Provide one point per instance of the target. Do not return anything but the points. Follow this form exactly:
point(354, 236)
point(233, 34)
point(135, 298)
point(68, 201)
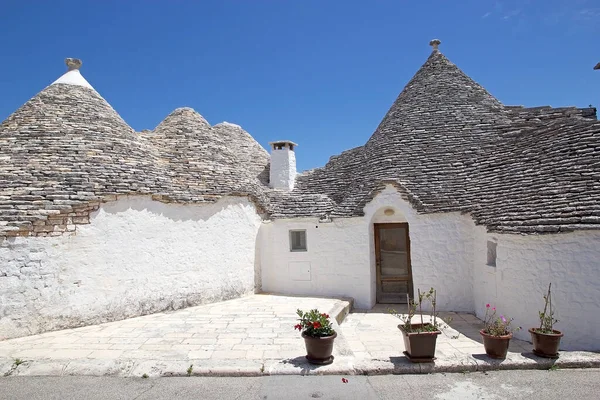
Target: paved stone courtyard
point(253, 336)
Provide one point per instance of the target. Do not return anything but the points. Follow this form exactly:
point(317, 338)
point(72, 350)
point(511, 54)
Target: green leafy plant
point(433, 325)
point(497, 325)
point(190, 369)
point(145, 376)
point(314, 323)
point(18, 362)
point(547, 319)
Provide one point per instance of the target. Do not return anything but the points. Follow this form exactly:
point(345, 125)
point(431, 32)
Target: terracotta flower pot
point(319, 349)
point(496, 346)
point(545, 344)
point(420, 346)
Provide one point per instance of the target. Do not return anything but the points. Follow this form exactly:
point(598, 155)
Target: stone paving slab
point(254, 336)
point(377, 344)
point(246, 336)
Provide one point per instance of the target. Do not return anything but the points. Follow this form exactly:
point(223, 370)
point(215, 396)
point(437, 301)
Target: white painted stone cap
point(435, 43)
point(280, 144)
point(73, 76)
point(283, 142)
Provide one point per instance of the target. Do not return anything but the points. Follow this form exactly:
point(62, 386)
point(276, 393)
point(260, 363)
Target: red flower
point(299, 327)
point(344, 380)
point(325, 315)
point(316, 325)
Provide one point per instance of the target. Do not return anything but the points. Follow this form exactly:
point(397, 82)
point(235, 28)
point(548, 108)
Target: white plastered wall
point(441, 249)
point(137, 256)
point(525, 264)
point(336, 262)
point(341, 254)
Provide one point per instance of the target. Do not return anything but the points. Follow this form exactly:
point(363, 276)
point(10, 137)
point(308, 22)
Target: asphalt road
point(547, 385)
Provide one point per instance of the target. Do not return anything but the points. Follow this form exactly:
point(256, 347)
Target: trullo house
point(455, 190)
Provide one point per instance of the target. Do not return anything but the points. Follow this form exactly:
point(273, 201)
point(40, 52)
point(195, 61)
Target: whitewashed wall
point(336, 263)
point(341, 254)
point(524, 267)
point(441, 247)
point(136, 257)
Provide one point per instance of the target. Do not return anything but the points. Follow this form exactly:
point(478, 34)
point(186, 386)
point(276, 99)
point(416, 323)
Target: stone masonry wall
point(137, 256)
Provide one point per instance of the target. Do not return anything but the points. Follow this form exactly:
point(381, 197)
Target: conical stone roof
point(67, 149)
point(428, 139)
point(447, 145)
point(425, 142)
point(209, 161)
point(249, 152)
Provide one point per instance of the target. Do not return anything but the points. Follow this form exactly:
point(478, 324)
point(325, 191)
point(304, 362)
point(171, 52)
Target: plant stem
point(545, 308)
point(550, 301)
point(433, 307)
point(420, 307)
point(408, 322)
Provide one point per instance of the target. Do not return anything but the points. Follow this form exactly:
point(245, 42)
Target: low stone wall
point(136, 256)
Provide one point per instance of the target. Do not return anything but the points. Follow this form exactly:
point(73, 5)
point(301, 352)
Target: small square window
point(491, 253)
point(298, 240)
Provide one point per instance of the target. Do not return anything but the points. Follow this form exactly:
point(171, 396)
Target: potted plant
point(546, 340)
point(496, 333)
point(318, 336)
point(420, 338)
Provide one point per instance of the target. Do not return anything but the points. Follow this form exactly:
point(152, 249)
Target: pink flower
point(487, 305)
point(503, 319)
point(494, 309)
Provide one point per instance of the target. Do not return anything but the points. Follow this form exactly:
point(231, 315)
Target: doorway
point(393, 269)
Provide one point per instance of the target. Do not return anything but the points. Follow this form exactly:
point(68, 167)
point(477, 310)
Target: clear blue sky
point(320, 73)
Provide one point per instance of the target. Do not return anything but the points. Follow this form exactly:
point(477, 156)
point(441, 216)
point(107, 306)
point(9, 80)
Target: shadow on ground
point(302, 363)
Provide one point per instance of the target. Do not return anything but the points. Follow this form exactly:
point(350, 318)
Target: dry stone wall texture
point(446, 144)
point(66, 151)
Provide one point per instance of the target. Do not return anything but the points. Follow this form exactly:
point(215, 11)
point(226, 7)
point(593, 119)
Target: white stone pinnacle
point(73, 76)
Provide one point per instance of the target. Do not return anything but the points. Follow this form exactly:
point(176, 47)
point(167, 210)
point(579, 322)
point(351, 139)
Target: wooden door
point(392, 253)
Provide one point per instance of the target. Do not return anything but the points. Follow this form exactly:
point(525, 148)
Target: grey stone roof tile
point(447, 145)
point(66, 150)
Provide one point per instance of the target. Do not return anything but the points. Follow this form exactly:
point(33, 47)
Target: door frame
point(409, 278)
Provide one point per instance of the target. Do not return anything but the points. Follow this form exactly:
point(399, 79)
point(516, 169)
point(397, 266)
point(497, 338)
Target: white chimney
point(283, 165)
